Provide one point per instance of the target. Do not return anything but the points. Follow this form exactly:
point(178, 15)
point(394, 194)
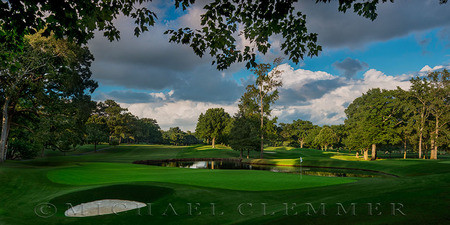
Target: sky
point(168, 82)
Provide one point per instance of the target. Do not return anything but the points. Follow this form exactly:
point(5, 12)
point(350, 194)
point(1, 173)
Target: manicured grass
point(423, 188)
point(248, 180)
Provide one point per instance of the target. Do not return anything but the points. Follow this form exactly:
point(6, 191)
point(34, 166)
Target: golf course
point(39, 191)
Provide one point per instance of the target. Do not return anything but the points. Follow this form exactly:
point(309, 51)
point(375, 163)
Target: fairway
point(42, 189)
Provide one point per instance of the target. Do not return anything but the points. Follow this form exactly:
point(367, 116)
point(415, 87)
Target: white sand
point(102, 207)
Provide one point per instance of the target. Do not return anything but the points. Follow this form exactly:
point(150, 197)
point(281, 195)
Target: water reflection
point(314, 171)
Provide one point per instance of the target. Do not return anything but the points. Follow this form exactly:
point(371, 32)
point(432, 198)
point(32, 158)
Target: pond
point(304, 170)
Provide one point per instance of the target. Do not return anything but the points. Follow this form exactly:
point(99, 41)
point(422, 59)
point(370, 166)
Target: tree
point(310, 139)
point(341, 132)
point(300, 130)
point(96, 130)
point(372, 119)
point(116, 119)
point(64, 124)
point(257, 99)
point(419, 91)
point(244, 135)
point(326, 137)
point(431, 102)
point(48, 72)
point(212, 124)
point(438, 102)
point(175, 136)
point(148, 131)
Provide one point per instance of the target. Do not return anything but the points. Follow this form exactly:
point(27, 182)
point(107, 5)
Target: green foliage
point(430, 105)
point(326, 137)
point(175, 136)
point(257, 100)
point(212, 125)
point(245, 133)
point(48, 82)
point(256, 21)
point(296, 132)
point(124, 126)
point(148, 131)
point(373, 119)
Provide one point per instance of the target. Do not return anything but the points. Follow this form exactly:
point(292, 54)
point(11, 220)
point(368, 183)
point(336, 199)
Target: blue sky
point(167, 82)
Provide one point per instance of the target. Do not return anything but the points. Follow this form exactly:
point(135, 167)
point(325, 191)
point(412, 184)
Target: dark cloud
point(309, 91)
point(337, 29)
point(126, 97)
point(207, 84)
point(350, 67)
point(151, 63)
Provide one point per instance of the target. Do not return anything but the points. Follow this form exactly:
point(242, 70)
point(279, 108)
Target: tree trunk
point(435, 149)
point(420, 144)
point(240, 155)
point(404, 148)
point(5, 131)
point(374, 152)
point(262, 126)
point(366, 154)
point(214, 142)
point(301, 143)
point(248, 153)
point(422, 124)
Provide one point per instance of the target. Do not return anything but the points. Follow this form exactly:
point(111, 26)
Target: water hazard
point(236, 165)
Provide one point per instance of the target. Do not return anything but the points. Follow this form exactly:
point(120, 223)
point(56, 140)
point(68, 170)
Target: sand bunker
point(102, 207)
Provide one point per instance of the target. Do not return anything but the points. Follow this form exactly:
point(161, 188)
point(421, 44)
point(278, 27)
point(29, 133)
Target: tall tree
point(212, 125)
point(419, 91)
point(432, 96)
point(244, 135)
point(259, 98)
point(48, 72)
point(372, 119)
point(439, 105)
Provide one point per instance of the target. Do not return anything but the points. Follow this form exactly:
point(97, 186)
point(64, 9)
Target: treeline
point(417, 120)
point(72, 125)
point(110, 123)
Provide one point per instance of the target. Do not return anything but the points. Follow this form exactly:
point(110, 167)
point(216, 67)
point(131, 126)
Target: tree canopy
point(213, 124)
point(50, 78)
point(221, 24)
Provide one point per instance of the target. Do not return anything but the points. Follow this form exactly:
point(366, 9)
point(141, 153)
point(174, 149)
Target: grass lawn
point(30, 189)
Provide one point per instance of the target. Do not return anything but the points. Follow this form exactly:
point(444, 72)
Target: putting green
point(247, 180)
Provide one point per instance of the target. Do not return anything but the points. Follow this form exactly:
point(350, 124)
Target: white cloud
point(296, 78)
point(160, 95)
point(329, 108)
point(427, 69)
point(325, 109)
point(183, 114)
point(192, 18)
